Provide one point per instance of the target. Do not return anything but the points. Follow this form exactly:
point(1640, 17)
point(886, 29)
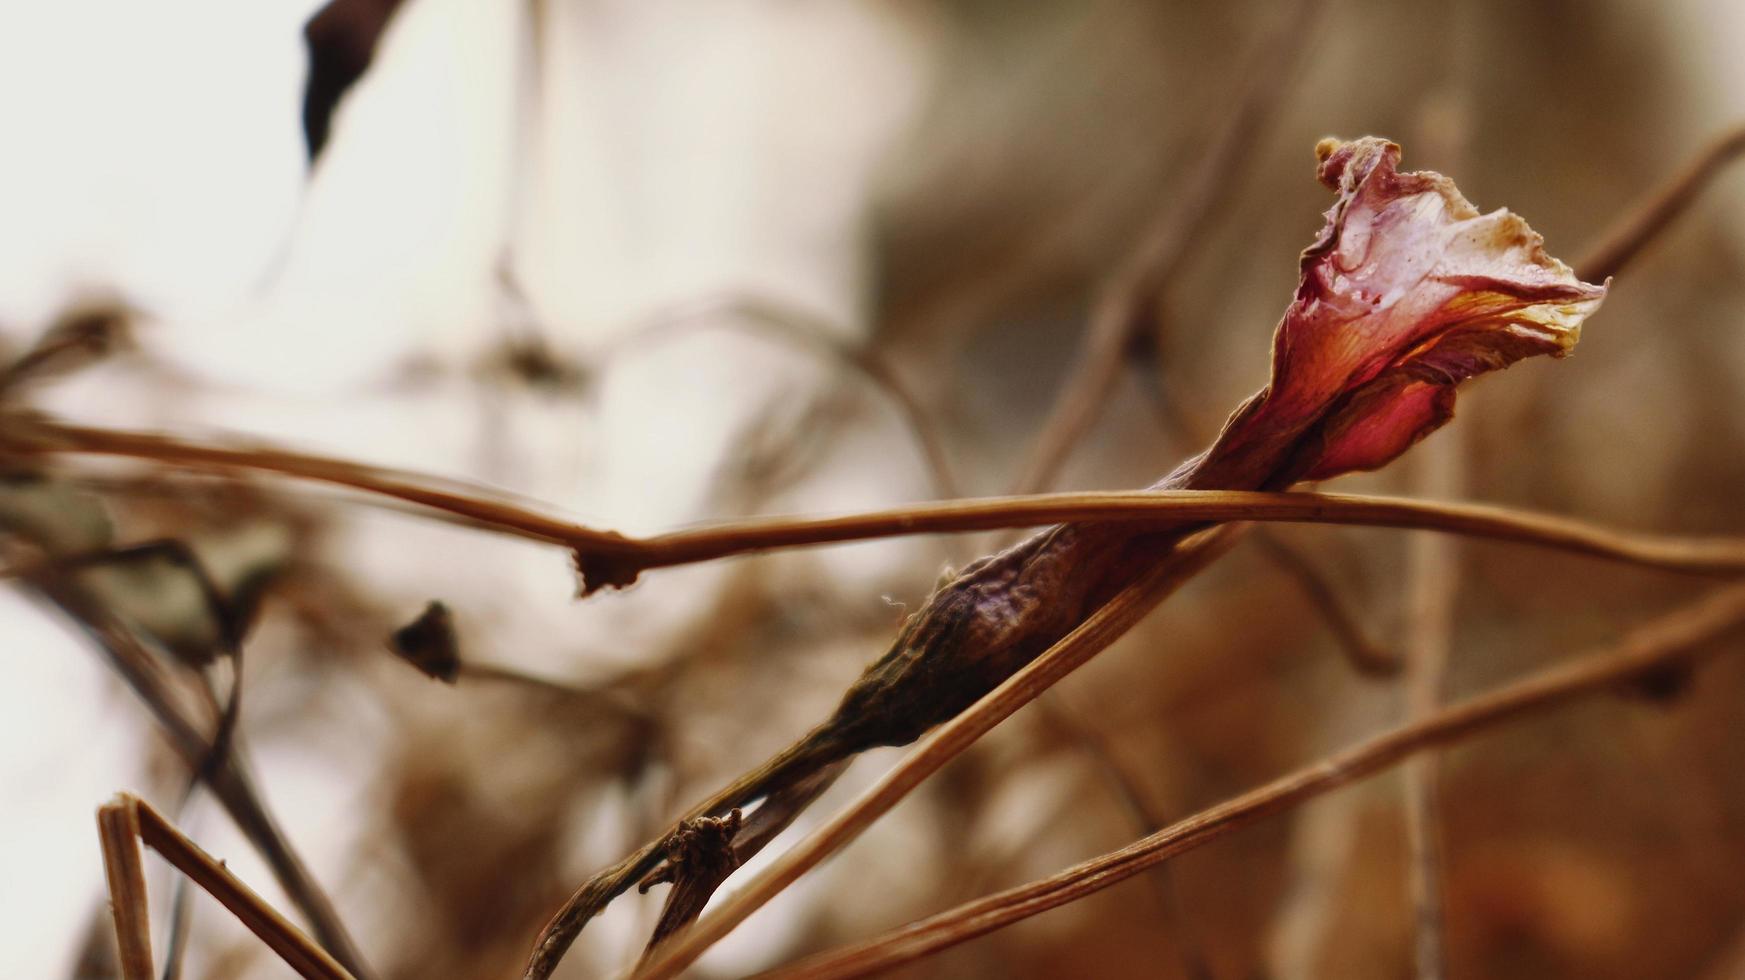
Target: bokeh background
point(607, 254)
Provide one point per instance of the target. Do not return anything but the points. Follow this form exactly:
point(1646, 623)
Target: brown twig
point(1433, 584)
point(1433, 577)
point(1652, 647)
point(130, 815)
point(1103, 627)
point(1191, 426)
point(1131, 294)
point(477, 504)
point(706, 851)
point(1363, 653)
point(118, 831)
point(1644, 222)
point(1717, 555)
point(621, 555)
point(1095, 741)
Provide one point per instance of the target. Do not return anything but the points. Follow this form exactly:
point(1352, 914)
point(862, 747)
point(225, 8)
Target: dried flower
point(1407, 292)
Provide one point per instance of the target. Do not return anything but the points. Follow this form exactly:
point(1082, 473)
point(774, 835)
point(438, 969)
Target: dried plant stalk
point(1644, 222)
point(118, 830)
point(608, 557)
point(1105, 626)
point(1665, 642)
point(1134, 292)
point(128, 819)
point(225, 773)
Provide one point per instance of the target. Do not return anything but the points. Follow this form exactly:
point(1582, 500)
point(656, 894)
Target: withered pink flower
point(1407, 292)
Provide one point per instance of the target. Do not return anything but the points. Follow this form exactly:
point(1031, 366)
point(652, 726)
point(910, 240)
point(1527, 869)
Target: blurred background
point(634, 259)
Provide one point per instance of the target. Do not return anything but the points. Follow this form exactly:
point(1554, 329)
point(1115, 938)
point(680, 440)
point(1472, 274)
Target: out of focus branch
point(1651, 648)
point(1132, 293)
point(1363, 653)
point(225, 774)
point(616, 558)
point(1644, 222)
point(1432, 589)
point(773, 318)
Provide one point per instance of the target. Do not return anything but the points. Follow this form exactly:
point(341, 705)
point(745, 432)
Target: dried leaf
point(342, 39)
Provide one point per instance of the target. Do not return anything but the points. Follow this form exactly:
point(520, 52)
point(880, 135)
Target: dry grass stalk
point(1105, 626)
point(618, 556)
point(128, 818)
point(1132, 294)
point(1667, 642)
point(118, 830)
point(1643, 222)
point(225, 773)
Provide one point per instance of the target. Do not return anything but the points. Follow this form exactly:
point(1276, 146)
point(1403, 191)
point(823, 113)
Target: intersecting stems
point(1103, 627)
point(1664, 642)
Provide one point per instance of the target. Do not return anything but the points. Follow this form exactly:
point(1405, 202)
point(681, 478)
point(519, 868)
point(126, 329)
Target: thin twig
point(1709, 555)
point(1433, 584)
point(1096, 633)
point(481, 505)
point(1363, 653)
point(1643, 223)
point(709, 849)
point(1094, 740)
point(118, 830)
point(229, 778)
point(1433, 573)
point(128, 813)
point(623, 555)
point(1123, 305)
point(1652, 647)
point(1192, 427)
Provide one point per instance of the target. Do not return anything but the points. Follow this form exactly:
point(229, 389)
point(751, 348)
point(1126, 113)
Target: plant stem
point(1096, 633)
point(1651, 216)
point(1658, 644)
point(1714, 555)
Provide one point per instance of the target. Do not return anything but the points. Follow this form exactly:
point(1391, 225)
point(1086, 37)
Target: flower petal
point(1407, 292)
